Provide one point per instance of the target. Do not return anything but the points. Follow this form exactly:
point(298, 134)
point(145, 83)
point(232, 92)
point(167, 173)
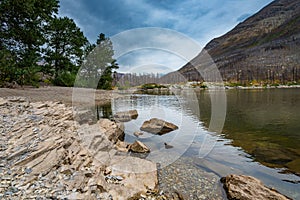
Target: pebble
point(184, 177)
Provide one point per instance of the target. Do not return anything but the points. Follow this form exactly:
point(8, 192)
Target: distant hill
point(265, 47)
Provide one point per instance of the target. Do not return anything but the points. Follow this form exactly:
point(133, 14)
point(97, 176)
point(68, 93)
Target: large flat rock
point(241, 187)
point(158, 126)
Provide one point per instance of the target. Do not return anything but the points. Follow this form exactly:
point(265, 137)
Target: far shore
point(100, 97)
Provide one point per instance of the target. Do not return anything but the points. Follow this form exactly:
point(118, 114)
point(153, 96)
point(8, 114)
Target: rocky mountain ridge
point(265, 47)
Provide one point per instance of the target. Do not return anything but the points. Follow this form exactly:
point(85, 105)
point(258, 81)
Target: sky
point(145, 33)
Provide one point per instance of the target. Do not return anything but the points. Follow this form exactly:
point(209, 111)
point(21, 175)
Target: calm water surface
point(261, 134)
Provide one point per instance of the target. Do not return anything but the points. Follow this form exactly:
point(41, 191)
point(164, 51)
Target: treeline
point(37, 46)
point(124, 81)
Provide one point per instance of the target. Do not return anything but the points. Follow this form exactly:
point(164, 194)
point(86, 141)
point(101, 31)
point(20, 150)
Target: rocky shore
point(49, 150)
point(45, 154)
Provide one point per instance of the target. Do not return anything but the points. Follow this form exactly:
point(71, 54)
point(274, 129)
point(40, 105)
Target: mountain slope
point(265, 47)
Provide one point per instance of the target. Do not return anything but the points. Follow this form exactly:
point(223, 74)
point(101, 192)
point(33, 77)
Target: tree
point(106, 78)
point(65, 47)
point(99, 64)
point(22, 26)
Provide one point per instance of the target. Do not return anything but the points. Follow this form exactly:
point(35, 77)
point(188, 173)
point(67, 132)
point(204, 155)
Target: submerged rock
point(137, 133)
point(247, 188)
point(126, 116)
point(139, 147)
point(158, 126)
point(167, 146)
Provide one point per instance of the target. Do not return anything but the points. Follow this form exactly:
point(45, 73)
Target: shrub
point(65, 79)
point(152, 86)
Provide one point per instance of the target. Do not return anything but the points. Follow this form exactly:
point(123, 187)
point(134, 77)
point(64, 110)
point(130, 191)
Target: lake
point(260, 136)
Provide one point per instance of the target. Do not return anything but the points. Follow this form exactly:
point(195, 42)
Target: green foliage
point(106, 78)
point(97, 68)
point(124, 86)
point(7, 66)
point(31, 33)
point(274, 84)
point(199, 85)
point(233, 84)
point(292, 83)
point(65, 78)
point(65, 42)
point(152, 86)
point(22, 34)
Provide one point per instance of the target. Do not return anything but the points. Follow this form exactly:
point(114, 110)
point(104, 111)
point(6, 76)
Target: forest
point(39, 47)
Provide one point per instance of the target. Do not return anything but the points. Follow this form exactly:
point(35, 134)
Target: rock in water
point(137, 133)
point(167, 146)
point(158, 126)
point(139, 147)
point(126, 116)
point(247, 188)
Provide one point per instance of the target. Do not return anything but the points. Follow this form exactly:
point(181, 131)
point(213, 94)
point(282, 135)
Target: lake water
point(260, 137)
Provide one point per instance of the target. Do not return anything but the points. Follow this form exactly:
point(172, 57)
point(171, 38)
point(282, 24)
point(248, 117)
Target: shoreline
point(218, 86)
point(48, 151)
point(58, 116)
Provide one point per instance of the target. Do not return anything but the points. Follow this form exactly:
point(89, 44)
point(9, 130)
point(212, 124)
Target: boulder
point(122, 146)
point(158, 126)
point(139, 147)
point(126, 116)
point(114, 131)
point(248, 188)
point(139, 175)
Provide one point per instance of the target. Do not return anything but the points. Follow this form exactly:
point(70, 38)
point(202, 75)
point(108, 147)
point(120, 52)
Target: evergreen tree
point(99, 64)
point(22, 27)
point(65, 48)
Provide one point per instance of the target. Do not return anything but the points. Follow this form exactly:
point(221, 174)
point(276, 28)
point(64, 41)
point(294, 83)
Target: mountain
point(265, 47)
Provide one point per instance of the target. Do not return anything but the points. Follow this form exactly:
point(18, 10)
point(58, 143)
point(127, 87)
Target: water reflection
point(265, 123)
point(104, 111)
point(261, 125)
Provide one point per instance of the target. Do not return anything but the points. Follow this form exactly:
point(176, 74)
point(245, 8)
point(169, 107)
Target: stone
point(247, 188)
point(16, 99)
point(3, 102)
point(107, 171)
point(158, 126)
point(49, 154)
point(114, 131)
point(122, 146)
point(78, 181)
point(139, 175)
point(85, 116)
point(168, 146)
point(66, 170)
point(139, 147)
point(126, 116)
point(137, 133)
point(88, 174)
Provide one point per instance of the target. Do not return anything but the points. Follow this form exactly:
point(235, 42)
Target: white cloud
point(150, 60)
point(198, 20)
